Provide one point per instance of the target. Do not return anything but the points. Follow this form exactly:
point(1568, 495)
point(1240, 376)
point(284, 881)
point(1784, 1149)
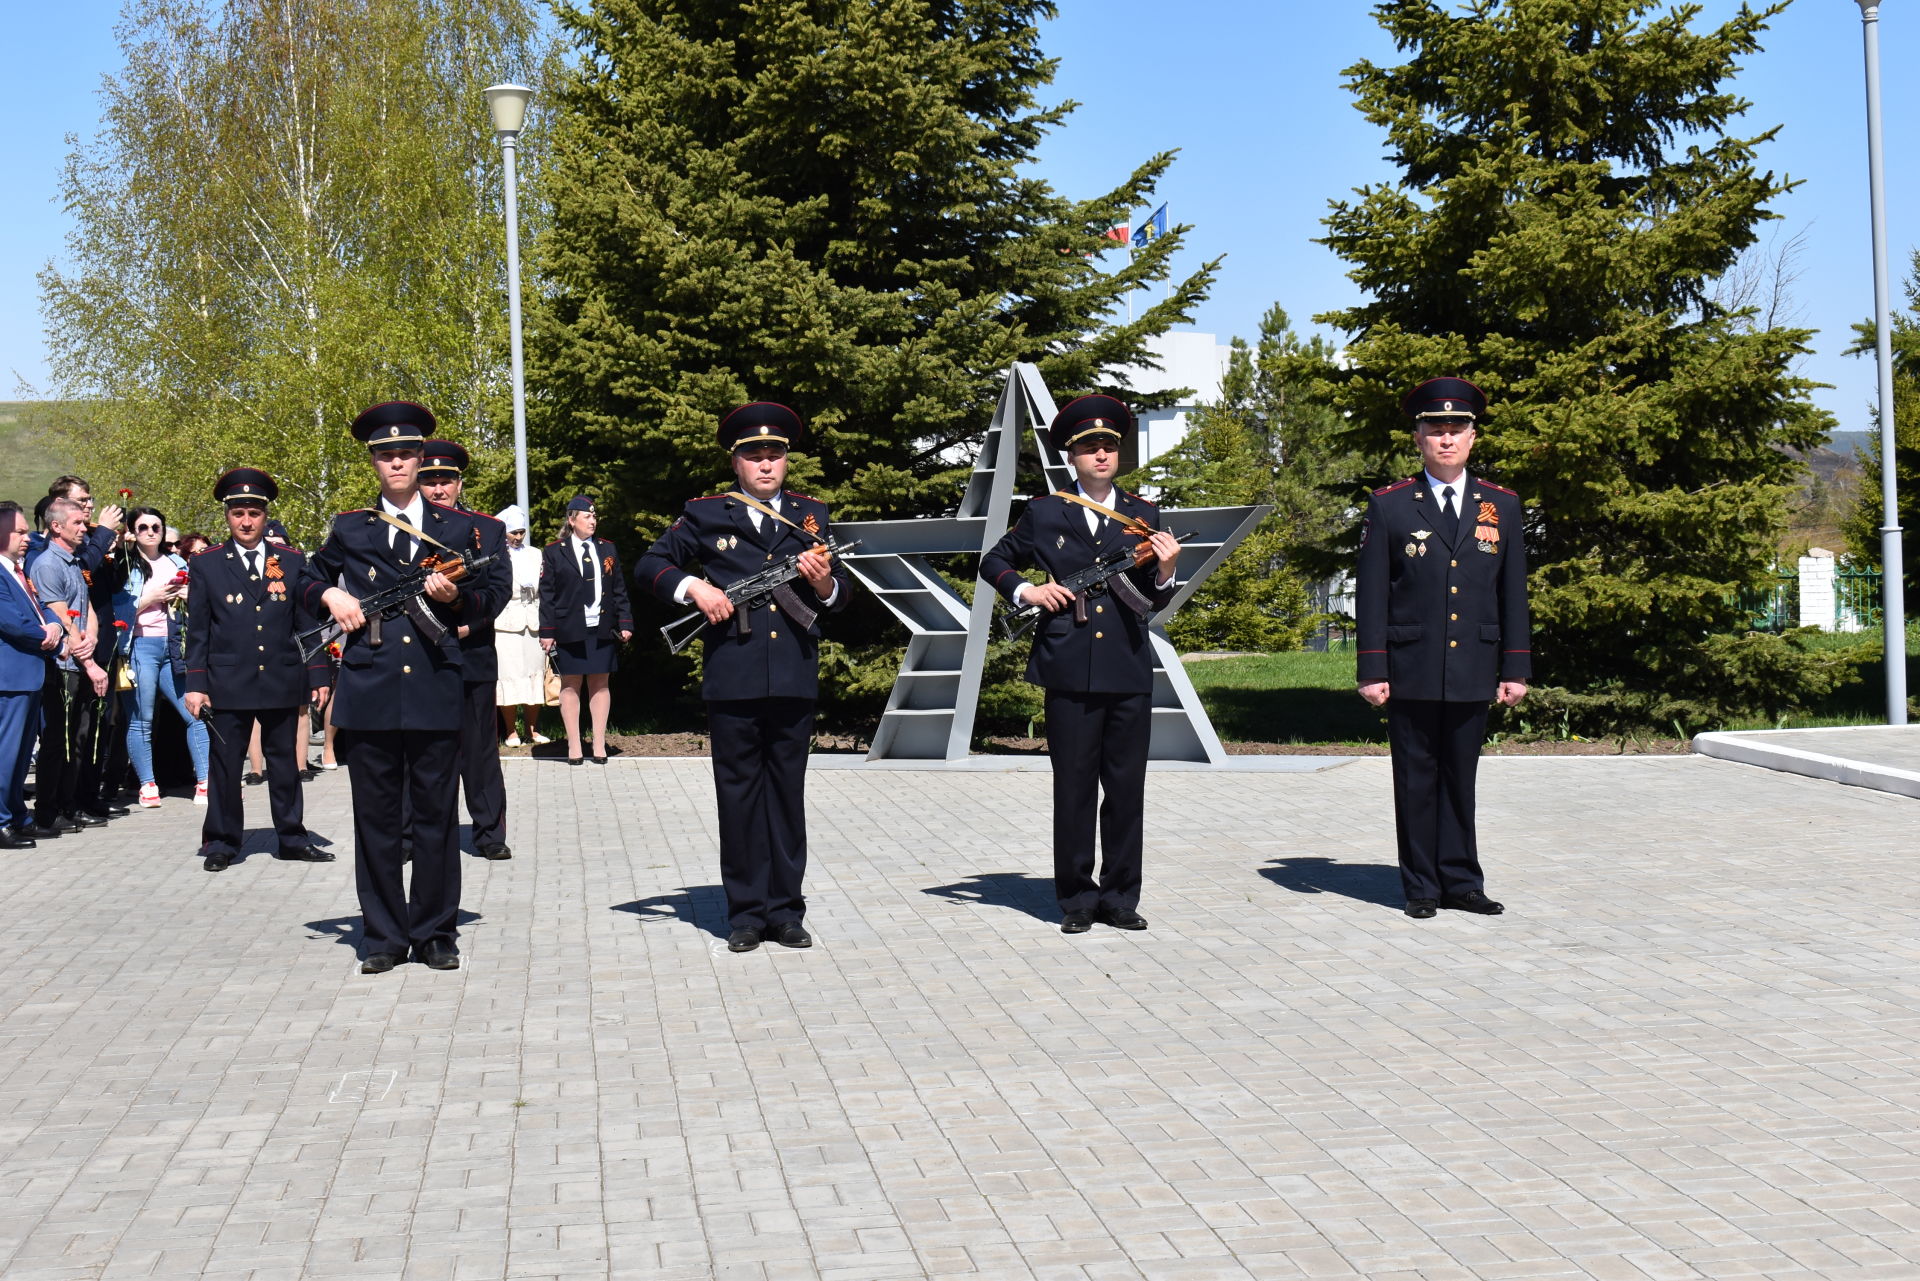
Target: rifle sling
point(765, 510)
point(1132, 524)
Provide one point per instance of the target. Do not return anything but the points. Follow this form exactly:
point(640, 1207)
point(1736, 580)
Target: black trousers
point(280, 747)
point(760, 781)
point(110, 739)
point(1436, 756)
point(480, 779)
point(66, 777)
point(1098, 744)
point(426, 764)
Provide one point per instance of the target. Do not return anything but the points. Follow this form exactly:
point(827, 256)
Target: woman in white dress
point(516, 637)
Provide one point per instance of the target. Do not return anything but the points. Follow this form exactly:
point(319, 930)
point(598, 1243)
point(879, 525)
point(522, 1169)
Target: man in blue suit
point(28, 634)
point(762, 668)
point(398, 703)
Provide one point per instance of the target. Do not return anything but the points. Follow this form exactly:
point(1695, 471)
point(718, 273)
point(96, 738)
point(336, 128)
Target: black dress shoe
point(496, 850)
point(1421, 908)
point(303, 854)
point(1123, 920)
point(380, 962)
point(250, 778)
point(792, 934)
point(80, 818)
point(438, 954)
point(34, 832)
point(1076, 923)
point(105, 812)
point(65, 823)
point(218, 861)
point(576, 760)
point(740, 940)
point(8, 841)
point(599, 760)
point(1473, 901)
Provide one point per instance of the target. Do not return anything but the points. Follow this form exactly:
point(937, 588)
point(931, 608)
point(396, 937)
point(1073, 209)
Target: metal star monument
point(931, 710)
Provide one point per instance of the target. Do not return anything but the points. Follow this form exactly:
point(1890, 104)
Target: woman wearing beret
point(584, 618)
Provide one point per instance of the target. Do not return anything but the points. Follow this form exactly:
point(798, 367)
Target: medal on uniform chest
point(720, 543)
point(1419, 547)
point(1060, 542)
point(1486, 534)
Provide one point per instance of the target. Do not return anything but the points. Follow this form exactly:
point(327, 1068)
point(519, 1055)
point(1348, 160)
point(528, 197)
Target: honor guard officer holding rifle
point(1442, 622)
point(244, 668)
point(1093, 658)
point(762, 665)
point(398, 699)
point(443, 467)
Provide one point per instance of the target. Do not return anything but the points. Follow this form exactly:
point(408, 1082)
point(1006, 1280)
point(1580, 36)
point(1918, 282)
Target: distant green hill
point(29, 459)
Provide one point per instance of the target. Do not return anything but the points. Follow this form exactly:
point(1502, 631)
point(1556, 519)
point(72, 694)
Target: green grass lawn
point(1286, 698)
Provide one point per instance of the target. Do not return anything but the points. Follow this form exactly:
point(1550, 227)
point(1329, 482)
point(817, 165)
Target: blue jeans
point(152, 677)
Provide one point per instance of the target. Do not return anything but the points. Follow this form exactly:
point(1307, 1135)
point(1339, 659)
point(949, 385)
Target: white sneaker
point(540, 738)
point(513, 740)
point(149, 796)
point(200, 794)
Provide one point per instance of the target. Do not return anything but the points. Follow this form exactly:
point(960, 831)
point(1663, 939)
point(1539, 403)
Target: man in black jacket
point(1093, 657)
point(398, 699)
point(762, 665)
point(1443, 631)
point(244, 669)
point(443, 467)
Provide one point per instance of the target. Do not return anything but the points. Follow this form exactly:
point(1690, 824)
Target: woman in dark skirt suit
point(584, 618)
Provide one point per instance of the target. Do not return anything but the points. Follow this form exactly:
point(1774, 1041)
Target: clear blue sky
point(1250, 93)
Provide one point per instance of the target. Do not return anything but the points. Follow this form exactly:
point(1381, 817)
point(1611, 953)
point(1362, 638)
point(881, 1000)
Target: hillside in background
point(29, 458)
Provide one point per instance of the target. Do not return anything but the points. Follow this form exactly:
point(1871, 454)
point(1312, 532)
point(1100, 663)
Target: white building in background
point(1195, 361)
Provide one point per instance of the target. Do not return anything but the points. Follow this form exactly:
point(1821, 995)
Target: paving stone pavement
point(1689, 1049)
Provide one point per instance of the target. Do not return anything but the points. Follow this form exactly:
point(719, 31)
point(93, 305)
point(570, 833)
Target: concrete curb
point(1758, 747)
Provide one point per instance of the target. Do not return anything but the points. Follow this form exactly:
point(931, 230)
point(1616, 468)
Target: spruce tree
point(1862, 528)
point(823, 203)
point(1570, 189)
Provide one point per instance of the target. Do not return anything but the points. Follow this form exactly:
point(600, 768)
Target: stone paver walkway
point(1689, 1050)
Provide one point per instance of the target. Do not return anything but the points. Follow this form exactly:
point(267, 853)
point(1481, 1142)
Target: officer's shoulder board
point(556, 542)
point(352, 511)
point(1388, 489)
point(208, 550)
point(707, 498)
point(1498, 489)
point(283, 547)
point(464, 511)
point(1144, 502)
point(805, 498)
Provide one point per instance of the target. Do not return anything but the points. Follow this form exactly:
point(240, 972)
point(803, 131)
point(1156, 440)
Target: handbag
point(552, 688)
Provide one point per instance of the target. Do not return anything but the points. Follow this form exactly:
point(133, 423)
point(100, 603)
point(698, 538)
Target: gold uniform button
point(774, 608)
point(1453, 644)
point(773, 635)
point(406, 640)
point(259, 627)
point(263, 669)
point(1454, 590)
point(1454, 563)
point(1099, 635)
point(1454, 617)
point(1099, 609)
point(407, 670)
point(263, 649)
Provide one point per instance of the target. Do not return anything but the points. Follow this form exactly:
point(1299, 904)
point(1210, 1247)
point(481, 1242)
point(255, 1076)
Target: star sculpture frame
point(931, 710)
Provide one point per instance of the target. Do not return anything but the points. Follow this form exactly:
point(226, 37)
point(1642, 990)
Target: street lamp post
point(508, 103)
point(1893, 571)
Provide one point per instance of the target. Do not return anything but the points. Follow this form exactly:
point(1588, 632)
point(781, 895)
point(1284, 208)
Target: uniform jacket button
point(1454, 617)
point(1099, 635)
point(773, 609)
point(406, 640)
point(1099, 609)
point(1454, 563)
point(407, 670)
point(773, 635)
point(1453, 644)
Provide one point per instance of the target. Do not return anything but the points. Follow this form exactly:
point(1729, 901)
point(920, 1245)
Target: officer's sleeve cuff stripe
point(1373, 651)
point(661, 574)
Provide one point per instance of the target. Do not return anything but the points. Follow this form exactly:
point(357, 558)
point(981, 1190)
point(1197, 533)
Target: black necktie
point(253, 564)
point(586, 570)
point(1451, 513)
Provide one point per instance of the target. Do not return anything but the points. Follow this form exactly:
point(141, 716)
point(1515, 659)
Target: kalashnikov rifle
point(1091, 581)
point(403, 595)
point(748, 594)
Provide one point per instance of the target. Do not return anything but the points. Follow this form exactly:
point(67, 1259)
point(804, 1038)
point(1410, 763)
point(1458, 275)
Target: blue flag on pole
point(1150, 230)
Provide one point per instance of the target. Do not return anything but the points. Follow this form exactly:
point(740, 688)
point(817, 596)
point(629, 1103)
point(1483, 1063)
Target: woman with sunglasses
point(157, 582)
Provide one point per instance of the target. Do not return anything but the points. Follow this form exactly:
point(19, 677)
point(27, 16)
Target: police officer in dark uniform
point(762, 666)
point(244, 669)
point(1443, 632)
point(399, 697)
point(443, 466)
point(1093, 658)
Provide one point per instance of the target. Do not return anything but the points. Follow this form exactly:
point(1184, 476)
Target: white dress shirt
point(577, 545)
point(413, 513)
point(1439, 488)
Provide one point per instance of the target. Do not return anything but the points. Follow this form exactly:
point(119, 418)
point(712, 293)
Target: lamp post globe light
point(508, 104)
point(1892, 566)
